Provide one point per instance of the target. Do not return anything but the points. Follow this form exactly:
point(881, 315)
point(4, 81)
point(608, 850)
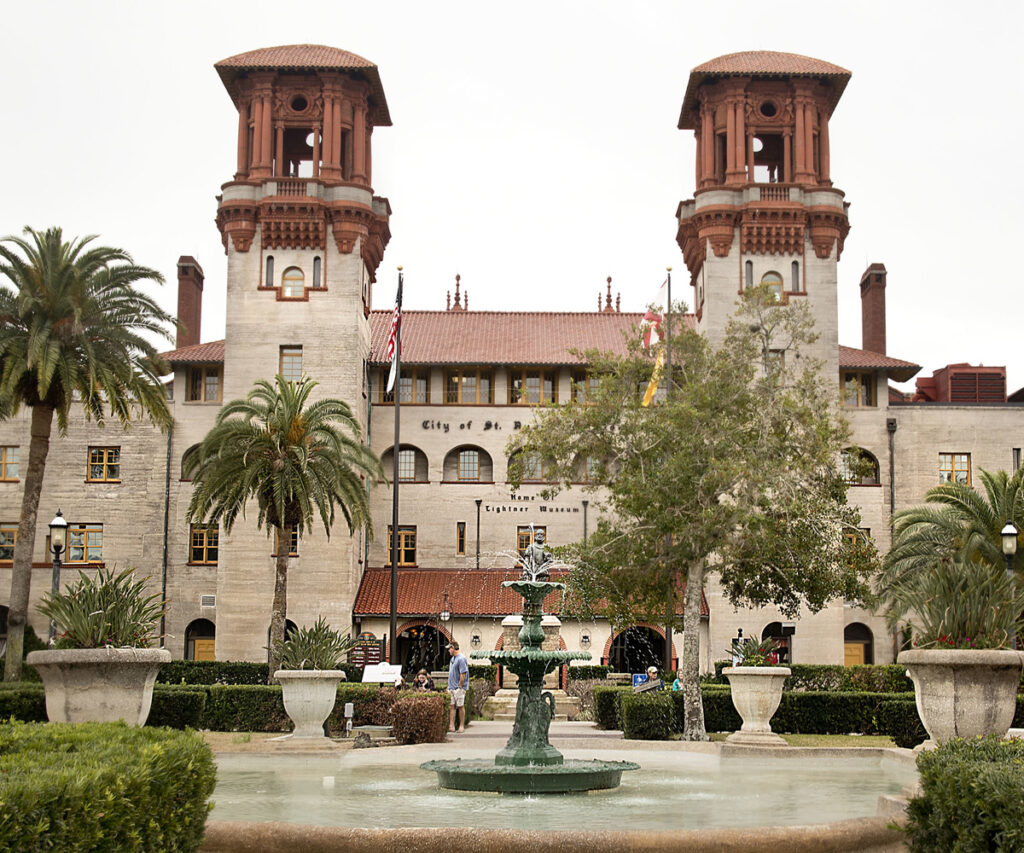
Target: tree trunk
point(21, 570)
point(280, 607)
point(693, 707)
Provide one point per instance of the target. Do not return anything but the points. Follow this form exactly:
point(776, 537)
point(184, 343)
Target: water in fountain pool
point(671, 791)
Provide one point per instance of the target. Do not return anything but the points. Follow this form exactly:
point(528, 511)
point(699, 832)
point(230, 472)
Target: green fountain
point(529, 763)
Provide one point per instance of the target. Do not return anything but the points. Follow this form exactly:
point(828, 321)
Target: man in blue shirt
point(458, 681)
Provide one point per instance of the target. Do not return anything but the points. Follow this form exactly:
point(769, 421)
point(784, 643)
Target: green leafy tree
point(74, 330)
point(735, 471)
point(297, 459)
point(955, 535)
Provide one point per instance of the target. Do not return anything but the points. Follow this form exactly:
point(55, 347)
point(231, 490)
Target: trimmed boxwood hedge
point(646, 716)
point(972, 798)
point(102, 787)
point(587, 672)
point(880, 678)
point(228, 672)
point(898, 718)
point(606, 705)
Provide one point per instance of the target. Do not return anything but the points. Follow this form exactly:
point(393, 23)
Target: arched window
point(794, 283)
point(858, 645)
point(293, 283)
point(316, 272)
point(776, 631)
point(270, 271)
point(748, 278)
point(200, 639)
point(468, 464)
point(188, 458)
point(412, 464)
point(858, 467)
point(773, 281)
point(532, 466)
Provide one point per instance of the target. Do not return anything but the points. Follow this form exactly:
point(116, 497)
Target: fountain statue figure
point(536, 559)
point(529, 763)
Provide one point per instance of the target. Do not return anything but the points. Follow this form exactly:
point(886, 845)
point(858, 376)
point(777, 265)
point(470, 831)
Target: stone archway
point(422, 644)
point(640, 646)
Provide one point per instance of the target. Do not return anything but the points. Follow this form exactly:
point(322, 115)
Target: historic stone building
point(304, 235)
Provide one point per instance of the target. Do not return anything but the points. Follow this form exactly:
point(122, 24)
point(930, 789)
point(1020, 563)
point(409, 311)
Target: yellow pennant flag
point(652, 386)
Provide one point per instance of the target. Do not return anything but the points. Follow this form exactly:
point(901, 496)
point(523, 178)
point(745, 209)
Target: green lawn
point(880, 741)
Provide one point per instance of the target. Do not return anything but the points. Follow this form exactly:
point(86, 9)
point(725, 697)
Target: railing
point(774, 192)
point(291, 186)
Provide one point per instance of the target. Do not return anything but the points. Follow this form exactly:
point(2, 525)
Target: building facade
point(304, 235)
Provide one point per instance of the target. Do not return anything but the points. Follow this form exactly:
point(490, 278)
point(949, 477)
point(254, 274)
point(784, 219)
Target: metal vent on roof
point(207, 601)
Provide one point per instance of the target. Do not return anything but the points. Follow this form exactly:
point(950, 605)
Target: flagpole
point(668, 396)
point(396, 391)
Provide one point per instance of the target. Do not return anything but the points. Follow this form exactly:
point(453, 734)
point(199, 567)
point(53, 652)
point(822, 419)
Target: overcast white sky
point(534, 148)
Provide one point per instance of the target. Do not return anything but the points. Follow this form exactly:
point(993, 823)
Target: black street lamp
point(1009, 537)
point(58, 539)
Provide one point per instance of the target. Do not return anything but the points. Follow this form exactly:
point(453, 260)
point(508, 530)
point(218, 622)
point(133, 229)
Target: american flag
point(391, 350)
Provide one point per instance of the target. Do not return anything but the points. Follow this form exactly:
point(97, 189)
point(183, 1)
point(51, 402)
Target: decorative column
point(800, 143)
point(257, 127)
point(826, 176)
point(741, 139)
point(369, 154)
point(730, 142)
point(316, 152)
point(750, 157)
point(265, 134)
point(336, 134)
point(280, 167)
point(708, 141)
point(359, 143)
point(243, 142)
point(809, 139)
point(787, 155)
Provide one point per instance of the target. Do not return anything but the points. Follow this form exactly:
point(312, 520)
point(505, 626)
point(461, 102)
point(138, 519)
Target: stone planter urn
point(963, 692)
point(756, 693)
point(309, 696)
point(98, 685)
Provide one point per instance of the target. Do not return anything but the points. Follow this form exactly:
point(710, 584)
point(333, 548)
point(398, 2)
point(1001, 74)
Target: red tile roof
point(863, 359)
point(761, 63)
point(306, 57)
point(471, 592)
point(503, 337)
point(208, 353)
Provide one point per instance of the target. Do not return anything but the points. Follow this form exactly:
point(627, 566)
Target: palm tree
point(296, 459)
point(73, 327)
point(956, 525)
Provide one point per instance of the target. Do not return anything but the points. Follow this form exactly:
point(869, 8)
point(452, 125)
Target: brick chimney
point(190, 301)
point(872, 309)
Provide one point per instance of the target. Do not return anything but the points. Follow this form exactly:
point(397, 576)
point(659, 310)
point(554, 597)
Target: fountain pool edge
point(860, 835)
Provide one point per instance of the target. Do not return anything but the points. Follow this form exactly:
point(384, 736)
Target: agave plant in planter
point(963, 614)
point(102, 668)
point(756, 685)
point(309, 676)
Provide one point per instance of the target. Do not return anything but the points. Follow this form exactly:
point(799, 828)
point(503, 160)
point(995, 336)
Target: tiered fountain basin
point(529, 764)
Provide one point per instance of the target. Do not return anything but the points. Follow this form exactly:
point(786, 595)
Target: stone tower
point(304, 235)
point(764, 209)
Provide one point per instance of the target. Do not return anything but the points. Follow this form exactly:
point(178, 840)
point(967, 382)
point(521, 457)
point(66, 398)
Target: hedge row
point(248, 707)
point(881, 678)
point(227, 672)
point(652, 716)
point(588, 672)
point(102, 787)
point(972, 798)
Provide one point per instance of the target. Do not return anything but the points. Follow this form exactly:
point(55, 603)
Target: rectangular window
point(584, 387)
point(955, 468)
point(413, 385)
point(8, 536)
point(406, 546)
point(1016, 459)
point(460, 538)
point(407, 465)
point(469, 465)
point(202, 384)
point(468, 387)
point(203, 542)
point(104, 465)
point(858, 388)
point(590, 465)
point(525, 535)
point(533, 468)
point(531, 387)
point(293, 551)
point(85, 543)
point(9, 463)
point(291, 363)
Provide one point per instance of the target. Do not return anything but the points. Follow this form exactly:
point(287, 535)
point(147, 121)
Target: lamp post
point(445, 616)
point(58, 539)
point(1009, 537)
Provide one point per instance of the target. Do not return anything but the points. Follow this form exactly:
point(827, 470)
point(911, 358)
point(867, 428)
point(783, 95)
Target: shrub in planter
point(972, 798)
point(420, 718)
point(646, 716)
point(89, 787)
point(102, 669)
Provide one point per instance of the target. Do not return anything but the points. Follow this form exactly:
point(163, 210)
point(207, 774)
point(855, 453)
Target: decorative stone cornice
point(828, 227)
point(237, 220)
point(768, 231)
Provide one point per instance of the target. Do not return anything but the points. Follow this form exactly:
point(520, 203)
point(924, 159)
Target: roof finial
point(448, 302)
point(457, 305)
point(608, 300)
point(618, 302)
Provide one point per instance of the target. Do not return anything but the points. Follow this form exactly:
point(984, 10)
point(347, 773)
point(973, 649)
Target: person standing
point(458, 681)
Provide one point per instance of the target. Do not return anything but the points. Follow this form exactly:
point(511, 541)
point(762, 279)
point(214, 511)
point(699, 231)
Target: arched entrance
point(635, 649)
point(774, 631)
point(858, 645)
point(200, 640)
point(422, 646)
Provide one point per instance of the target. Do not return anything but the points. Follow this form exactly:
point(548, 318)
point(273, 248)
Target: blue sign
point(639, 678)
